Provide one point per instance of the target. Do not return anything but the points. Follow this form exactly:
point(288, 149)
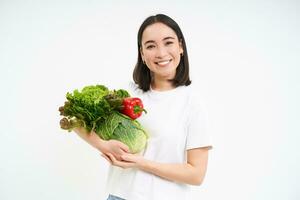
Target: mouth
point(163, 62)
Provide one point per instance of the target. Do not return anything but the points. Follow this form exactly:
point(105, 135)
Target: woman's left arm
point(192, 172)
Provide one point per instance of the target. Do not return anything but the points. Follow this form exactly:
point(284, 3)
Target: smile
point(163, 63)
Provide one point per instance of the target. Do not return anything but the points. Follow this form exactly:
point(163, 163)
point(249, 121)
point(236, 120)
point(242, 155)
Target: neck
point(162, 85)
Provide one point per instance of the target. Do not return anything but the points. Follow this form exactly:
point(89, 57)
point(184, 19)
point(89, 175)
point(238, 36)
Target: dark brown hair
point(141, 73)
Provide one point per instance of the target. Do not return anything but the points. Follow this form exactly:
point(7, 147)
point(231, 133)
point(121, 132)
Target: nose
point(161, 52)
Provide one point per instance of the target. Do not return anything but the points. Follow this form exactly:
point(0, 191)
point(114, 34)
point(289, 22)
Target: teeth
point(163, 62)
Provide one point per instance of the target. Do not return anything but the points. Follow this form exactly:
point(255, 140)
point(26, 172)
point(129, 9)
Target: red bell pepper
point(132, 107)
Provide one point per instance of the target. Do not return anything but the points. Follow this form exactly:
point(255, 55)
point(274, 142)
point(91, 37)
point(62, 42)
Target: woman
point(177, 151)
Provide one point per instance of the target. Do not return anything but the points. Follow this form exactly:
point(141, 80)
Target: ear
point(181, 47)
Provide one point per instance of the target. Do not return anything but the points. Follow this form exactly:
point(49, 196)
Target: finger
point(115, 161)
point(126, 158)
point(112, 158)
point(124, 147)
point(106, 158)
point(119, 163)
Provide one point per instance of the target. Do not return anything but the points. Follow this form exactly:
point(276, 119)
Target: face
point(161, 50)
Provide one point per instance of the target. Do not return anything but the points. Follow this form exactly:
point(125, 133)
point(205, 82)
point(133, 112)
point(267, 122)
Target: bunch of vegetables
point(111, 114)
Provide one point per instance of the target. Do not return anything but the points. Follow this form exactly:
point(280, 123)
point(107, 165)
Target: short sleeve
point(197, 133)
point(134, 89)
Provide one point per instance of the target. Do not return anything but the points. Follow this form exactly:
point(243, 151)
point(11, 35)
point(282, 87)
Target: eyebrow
point(152, 41)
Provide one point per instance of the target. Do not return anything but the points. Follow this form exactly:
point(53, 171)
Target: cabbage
point(120, 127)
point(96, 108)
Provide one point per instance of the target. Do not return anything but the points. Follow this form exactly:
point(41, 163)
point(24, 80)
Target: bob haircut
point(141, 73)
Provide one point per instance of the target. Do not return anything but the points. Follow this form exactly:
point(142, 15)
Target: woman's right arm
point(114, 147)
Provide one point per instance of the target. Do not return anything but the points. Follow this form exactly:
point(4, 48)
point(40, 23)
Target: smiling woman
point(161, 51)
point(176, 154)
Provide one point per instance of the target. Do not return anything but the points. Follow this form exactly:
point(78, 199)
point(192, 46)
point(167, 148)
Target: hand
point(115, 148)
point(128, 160)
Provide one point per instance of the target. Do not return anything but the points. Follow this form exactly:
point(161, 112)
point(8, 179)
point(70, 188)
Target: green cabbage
point(120, 127)
point(96, 108)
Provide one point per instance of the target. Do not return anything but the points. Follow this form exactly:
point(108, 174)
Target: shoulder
point(134, 89)
point(195, 99)
point(193, 94)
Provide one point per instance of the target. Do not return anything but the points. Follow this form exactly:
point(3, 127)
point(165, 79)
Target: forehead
point(157, 31)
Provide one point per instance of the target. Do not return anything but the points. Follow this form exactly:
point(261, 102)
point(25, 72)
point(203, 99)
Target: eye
point(169, 42)
point(150, 47)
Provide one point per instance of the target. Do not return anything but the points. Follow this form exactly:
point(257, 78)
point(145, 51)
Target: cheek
point(175, 51)
point(176, 54)
point(148, 56)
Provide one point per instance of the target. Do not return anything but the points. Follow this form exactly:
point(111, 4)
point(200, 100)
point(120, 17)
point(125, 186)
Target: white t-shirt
point(174, 123)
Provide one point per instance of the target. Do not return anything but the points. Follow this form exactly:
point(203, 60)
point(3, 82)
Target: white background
point(244, 58)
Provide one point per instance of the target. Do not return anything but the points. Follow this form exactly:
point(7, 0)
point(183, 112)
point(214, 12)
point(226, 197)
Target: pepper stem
point(138, 109)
